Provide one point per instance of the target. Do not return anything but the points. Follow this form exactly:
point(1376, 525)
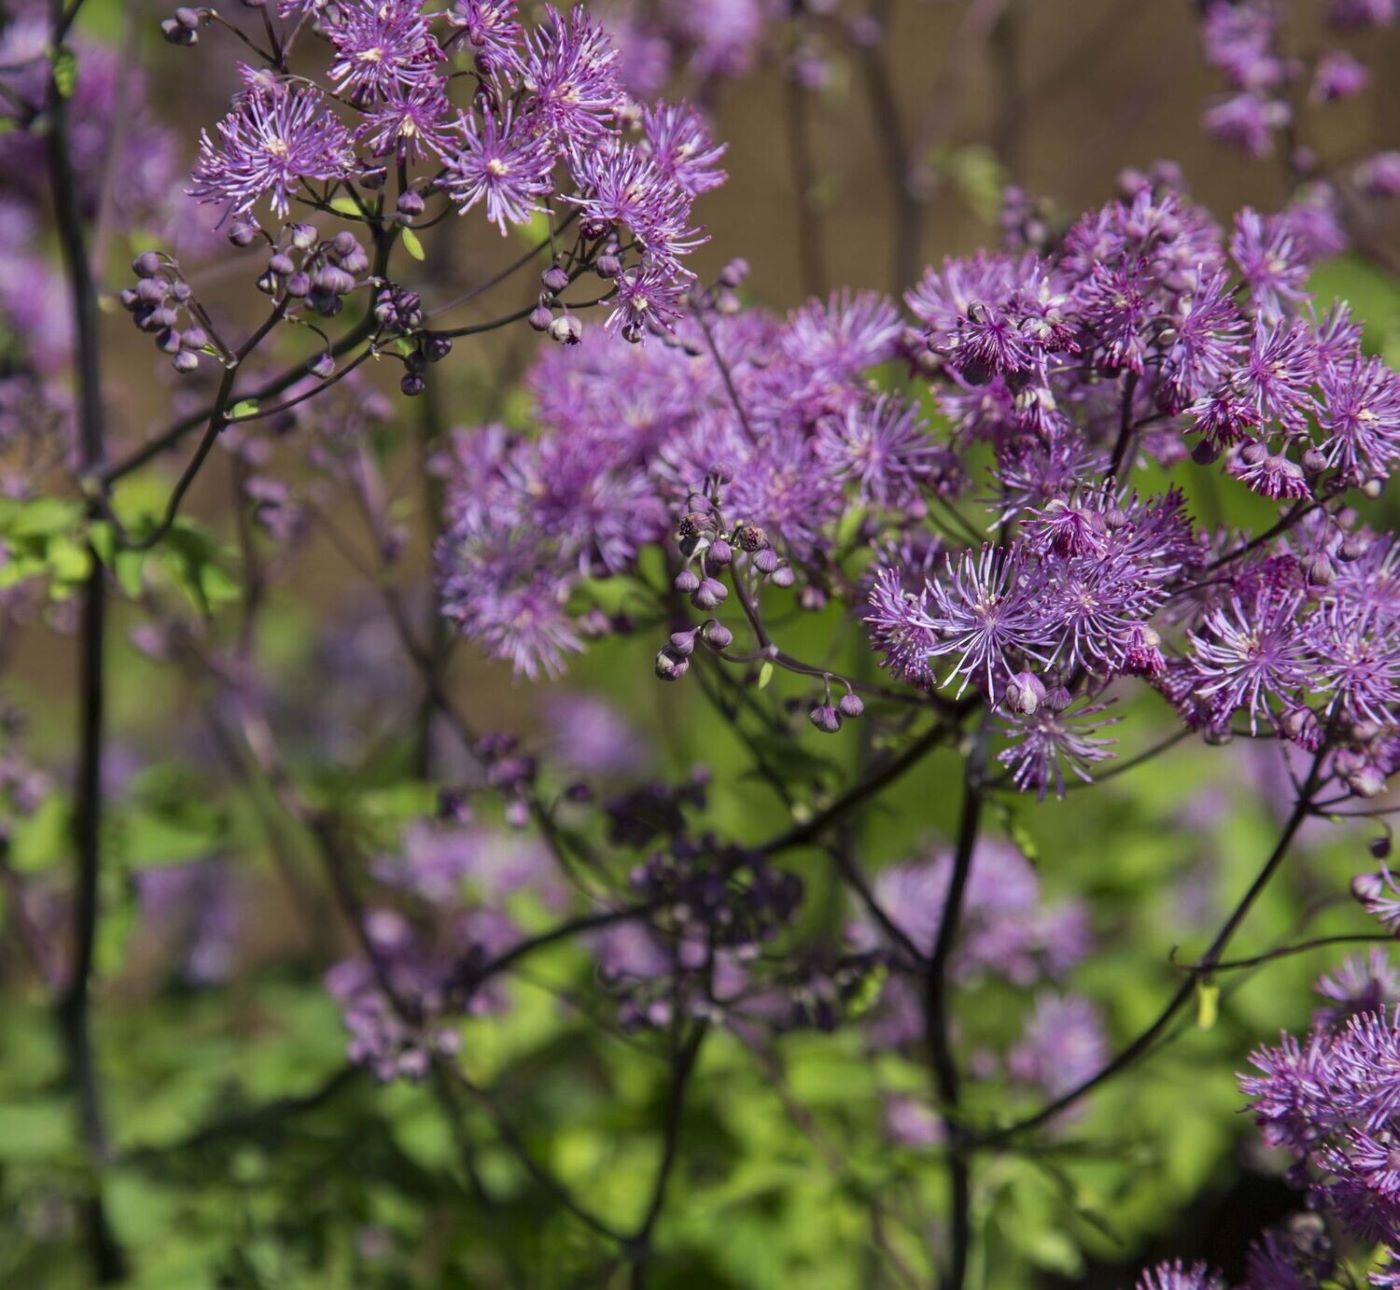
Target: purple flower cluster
point(1332, 1101)
point(550, 120)
point(1244, 41)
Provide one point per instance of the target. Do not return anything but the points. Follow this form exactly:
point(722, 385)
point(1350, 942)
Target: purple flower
point(1239, 39)
point(681, 148)
point(1207, 335)
point(1051, 739)
point(980, 611)
point(271, 141)
point(569, 69)
point(1176, 1275)
point(1359, 985)
point(382, 46)
point(1247, 121)
point(1269, 262)
point(492, 30)
point(506, 163)
point(1379, 176)
point(409, 124)
point(1063, 1044)
point(622, 186)
point(1246, 652)
point(1362, 13)
point(1275, 380)
point(1338, 76)
point(1360, 418)
point(647, 298)
point(883, 447)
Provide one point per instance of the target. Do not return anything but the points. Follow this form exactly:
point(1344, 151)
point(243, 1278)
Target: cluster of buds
point(182, 27)
point(510, 772)
point(304, 267)
point(563, 327)
point(162, 303)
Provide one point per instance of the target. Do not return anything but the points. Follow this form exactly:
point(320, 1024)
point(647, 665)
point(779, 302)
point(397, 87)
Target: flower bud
point(566, 329)
point(812, 599)
point(686, 581)
point(412, 384)
point(243, 232)
point(540, 318)
point(719, 554)
point(710, 593)
point(303, 236)
point(185, 361)
point(1367, 887)
point(409, 205)
point(146, 265)
point(783, 576)
point(670, 666)
point(766, 561)
point(1025, 692)
point(1205, 453)
point(716, 635)
point(1313, 461)
point(683, 643)
point(554, 279)
point(280, 264)
point(298, 285)
point(1365, 781)
point(734, 273)
point(1379, 847)
point(851, 705)
point(323, 365)
point(825, 718)
point(345, 243)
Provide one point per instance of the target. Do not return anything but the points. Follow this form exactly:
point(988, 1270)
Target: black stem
point(937, 1024)
point(1209, 960)
point(74, 1004)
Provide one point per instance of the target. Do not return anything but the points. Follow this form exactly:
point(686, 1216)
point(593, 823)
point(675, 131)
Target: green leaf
point(765, 674)
point(411, 244)
point(243, 408)
point(345, 205)
point(65, 72)
point(1207, 1004)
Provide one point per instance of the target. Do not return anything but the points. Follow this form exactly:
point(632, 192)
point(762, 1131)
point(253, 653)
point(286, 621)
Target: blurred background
point(895, 146)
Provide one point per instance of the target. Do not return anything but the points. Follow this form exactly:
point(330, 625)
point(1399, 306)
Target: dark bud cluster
point(162, 304)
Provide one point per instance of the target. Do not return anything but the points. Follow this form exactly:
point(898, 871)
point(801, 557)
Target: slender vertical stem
point(74, 1004)
point(936, 1019)
point(1009, 130)
point(811, 236)
point(686, 1054)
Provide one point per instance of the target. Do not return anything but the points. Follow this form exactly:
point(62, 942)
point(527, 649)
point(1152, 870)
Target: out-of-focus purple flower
point(910, 1122)
point(1362, 13)
point(1269, 262)
point(1379, 176)
point(1338, 75)
point(591, 737)
point(883, 447)
point(1062, 1045)
point(1360, 985)
point(1247, 121)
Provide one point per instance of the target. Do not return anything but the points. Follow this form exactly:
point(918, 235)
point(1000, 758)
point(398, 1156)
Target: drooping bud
point(825, 718)
point(1025, 692)
point(851, 705)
